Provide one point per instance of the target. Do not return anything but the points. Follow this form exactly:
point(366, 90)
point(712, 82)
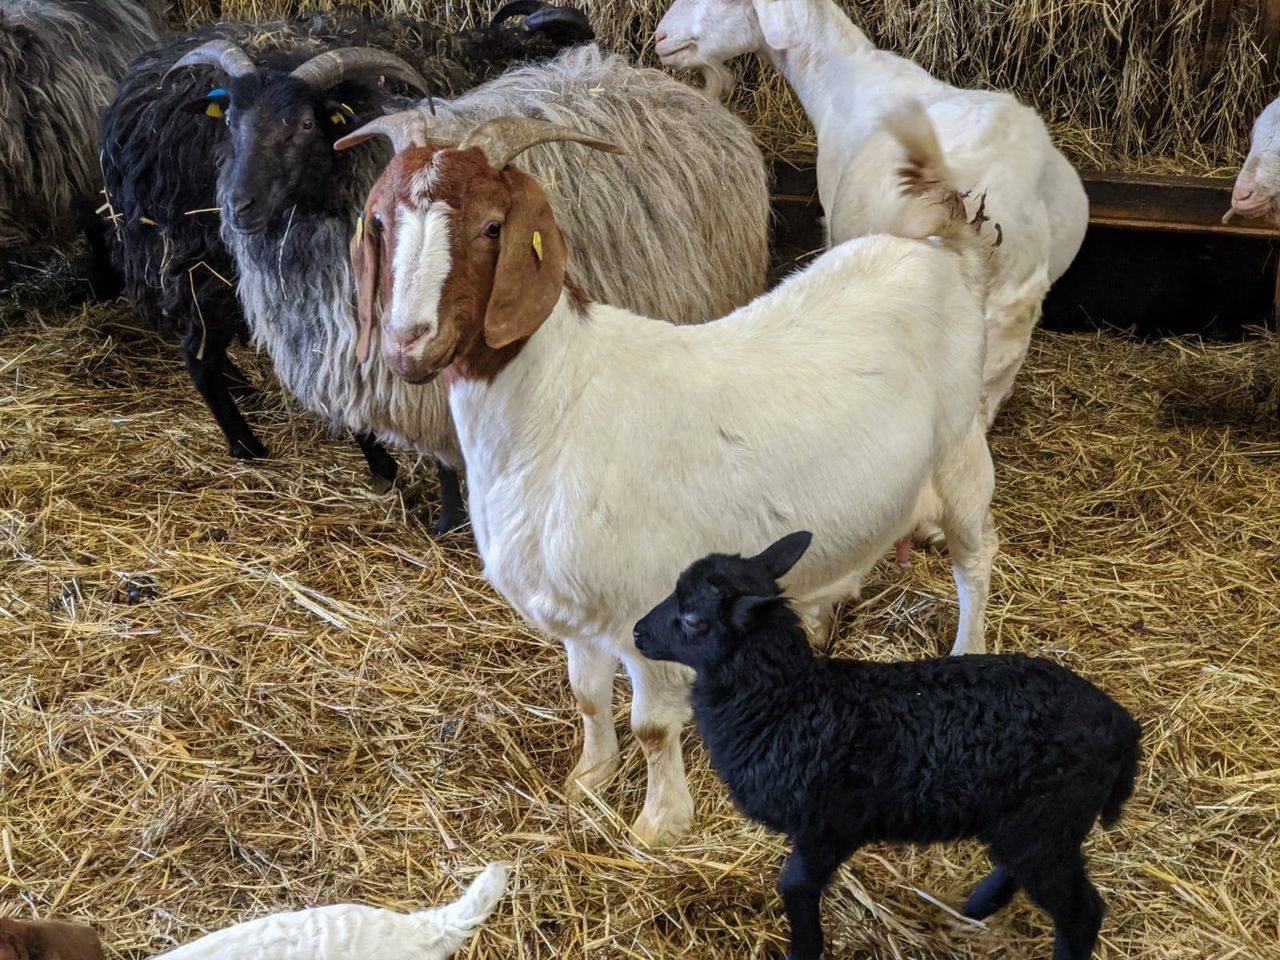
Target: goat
point(1256, 193)
point(1016, 751)
point(47, 940)
point(604, 448)
point(271, 129)
point(344, 931)
point(59, 62)
point(995, 146)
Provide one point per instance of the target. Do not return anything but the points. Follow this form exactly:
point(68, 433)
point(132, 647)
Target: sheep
point(1016, 751)
point(348, 930)
point(163, 136)
point(604, 448)
point(693, 187)
point(59, 62)
point(993, 143)
point(1256, 193)
point(47, 940)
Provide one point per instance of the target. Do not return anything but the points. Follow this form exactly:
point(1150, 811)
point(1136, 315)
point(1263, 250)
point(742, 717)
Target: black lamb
point(1015, 751)
point(265, 120)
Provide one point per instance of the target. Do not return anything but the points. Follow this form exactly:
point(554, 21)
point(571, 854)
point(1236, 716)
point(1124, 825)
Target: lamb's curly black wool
point(1015, 751)
point(162, 152)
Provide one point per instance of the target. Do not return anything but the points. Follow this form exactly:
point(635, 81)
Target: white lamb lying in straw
point(606, 450)
point(349, 931)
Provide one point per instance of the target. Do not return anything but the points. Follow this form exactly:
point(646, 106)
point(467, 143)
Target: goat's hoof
point(589, 775)
point(657, 834)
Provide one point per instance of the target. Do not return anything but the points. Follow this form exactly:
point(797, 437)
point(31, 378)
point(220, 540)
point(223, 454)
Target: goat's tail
point(1122, 786)
point(934, 205)
point(454, 923)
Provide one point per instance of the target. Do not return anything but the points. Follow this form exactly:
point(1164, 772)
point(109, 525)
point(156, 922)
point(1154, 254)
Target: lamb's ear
point(529, 276)
point(781, 556)
point(779, 22)
point(366, 261)
point(743, 612)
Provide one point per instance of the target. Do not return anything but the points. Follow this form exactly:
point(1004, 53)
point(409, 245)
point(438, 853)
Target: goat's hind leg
point(453, 508)
point(208, 369)
point(965, 482)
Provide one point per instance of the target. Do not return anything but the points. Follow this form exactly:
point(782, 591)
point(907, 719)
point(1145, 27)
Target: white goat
point(1257, 188)
point(606, 450)
point(347, 930)
point(994, 145)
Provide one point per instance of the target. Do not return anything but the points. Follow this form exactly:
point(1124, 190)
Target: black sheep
point(1015, 751)
point(164, 145)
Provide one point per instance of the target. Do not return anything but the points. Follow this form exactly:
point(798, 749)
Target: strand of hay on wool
point(231, 688)
point(1122, 83)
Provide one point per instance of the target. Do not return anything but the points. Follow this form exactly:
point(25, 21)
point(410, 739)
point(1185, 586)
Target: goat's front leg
point(659, 710)
point(591, 673)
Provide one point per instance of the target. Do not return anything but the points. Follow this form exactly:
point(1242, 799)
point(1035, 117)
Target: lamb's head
point(1257, 188)
point(47, 940)
point(710, 616)
point(459, 250)
point(283, 123)
point(701, 33)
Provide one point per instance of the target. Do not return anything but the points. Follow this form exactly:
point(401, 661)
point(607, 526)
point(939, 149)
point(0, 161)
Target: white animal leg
point(1010, 322)
point(659, 710)
point(591, 673)
point(965, 482)
point(820, 619)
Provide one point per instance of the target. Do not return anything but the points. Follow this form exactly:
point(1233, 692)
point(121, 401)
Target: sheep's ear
point(529, 276)
point(213, 104)
point(780, 557)
point(779, 22)
point(366, 260)
point(743, 613)
point(340, 118)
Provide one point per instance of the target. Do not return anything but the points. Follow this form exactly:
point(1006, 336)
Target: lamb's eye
point(493, 229)
point(693, 623)
point(308, 124)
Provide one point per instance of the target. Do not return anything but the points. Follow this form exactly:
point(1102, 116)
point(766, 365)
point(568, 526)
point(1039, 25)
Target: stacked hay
point(232, 688)
point(1124, 83)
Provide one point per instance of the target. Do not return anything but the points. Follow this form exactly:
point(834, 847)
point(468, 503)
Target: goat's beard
point(717, 81)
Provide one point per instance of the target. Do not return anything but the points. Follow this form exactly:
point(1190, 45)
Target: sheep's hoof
point(657, 834)
point(248, 448)
point(381, 485)
point(449, 520)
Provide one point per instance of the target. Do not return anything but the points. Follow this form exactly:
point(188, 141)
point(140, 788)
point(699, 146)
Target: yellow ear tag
point(337, 117)
point(537, 245)
point(214, 109)
point(359, 228)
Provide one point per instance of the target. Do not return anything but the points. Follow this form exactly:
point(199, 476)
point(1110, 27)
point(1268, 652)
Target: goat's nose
point(659, 35)
point(1243, 192)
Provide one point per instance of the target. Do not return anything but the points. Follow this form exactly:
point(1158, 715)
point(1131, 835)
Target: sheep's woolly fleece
point(236, 688)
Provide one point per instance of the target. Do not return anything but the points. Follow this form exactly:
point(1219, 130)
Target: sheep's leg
point(591, 673)
point(802, 881)
point(659, 710)
point(105, 281)
point(208, 373)
point(992, 894)
point(453, 509)
point(965, 482)
point(381, 464)
point(238, 383)
point(1063, 889)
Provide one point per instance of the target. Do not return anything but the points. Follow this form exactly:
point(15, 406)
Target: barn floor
point(232, 688)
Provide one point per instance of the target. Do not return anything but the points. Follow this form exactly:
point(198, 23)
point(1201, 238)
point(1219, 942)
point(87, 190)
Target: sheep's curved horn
point(405, 129)
point(332, 67)
point(504, 139)
point(223, 54)
point(516, 8)
point(562, 24)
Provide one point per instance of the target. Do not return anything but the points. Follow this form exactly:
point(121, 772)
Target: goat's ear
point(529, 276)
point(779, 22)
point(366, 260)
point(213, 104)
point(743, 612)
point(778, 558)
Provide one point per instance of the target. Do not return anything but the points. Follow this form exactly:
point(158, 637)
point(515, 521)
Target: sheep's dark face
point(281, 149)
point(710, 614)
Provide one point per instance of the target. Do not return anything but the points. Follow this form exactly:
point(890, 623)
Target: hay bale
point(232, 687)
point(1123, 83)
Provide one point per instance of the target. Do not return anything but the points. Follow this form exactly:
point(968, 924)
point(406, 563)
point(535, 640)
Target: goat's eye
point(693, 623)
point(377, 221)
point(493, 229)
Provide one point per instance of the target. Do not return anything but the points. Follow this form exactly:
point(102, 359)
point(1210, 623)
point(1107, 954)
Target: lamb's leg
point(1063, 889)
point(965, 481)
point(591, 677)
point(381, 464)
point(992, 894)
point(208, 373)
point(453, 509)
point(659, 710)
point(804, 877)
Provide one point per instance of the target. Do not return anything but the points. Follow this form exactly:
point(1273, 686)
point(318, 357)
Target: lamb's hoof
point(381, 485)
point(658, 834)
point(247, 449)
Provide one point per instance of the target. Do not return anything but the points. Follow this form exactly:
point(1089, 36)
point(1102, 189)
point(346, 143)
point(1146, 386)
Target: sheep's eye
point(493, 229)
point(693, 623)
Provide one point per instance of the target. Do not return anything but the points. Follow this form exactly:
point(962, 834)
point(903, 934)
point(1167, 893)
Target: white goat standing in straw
point(606, 450)
point(993, 144)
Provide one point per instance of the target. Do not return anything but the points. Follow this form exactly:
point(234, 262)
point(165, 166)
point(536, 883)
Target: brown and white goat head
point(47, 940)
point(457, 250)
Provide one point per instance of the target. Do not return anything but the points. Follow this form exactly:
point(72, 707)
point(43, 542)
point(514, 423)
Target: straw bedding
point(1123, 83)
point(233, 688)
